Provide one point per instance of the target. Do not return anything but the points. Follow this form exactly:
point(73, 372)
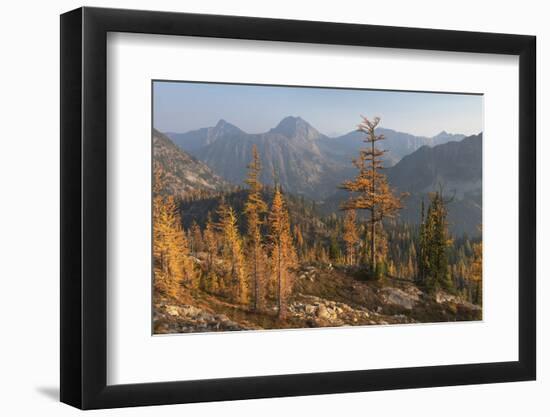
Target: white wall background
point(29, 225)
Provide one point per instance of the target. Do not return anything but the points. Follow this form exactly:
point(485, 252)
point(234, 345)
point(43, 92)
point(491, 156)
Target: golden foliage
point(283, 254)
point(351, 236)
point(232, 252)
point(370, 189)
point(173, 265)
point(255, 209)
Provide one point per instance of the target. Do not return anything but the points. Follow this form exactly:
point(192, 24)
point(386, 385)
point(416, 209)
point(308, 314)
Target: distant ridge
point(339, 149)
point(183, 173)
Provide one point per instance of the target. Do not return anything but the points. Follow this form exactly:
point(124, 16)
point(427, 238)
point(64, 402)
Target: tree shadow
point(50, 392)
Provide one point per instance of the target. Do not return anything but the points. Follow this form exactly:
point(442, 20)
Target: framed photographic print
point(340, 207)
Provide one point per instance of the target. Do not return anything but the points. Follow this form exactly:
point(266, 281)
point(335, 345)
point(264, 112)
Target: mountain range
point(289, 151)
point(337, 149)
point(305, 161)
point(398, 144)
point(310, 164)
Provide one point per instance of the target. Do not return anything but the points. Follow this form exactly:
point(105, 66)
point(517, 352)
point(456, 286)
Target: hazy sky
point(183, 106)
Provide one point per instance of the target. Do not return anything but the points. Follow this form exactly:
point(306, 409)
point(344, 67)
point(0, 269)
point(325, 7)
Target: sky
point(184, 106)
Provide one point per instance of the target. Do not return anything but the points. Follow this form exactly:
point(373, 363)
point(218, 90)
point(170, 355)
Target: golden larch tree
point(196, 238)
point(182, 264)
point(160, 229)
point(255, 209)
point(210, 242)
point(299, 239)
point(172, 262)
point(370, 189)
point(232, 250)
point(283, 255)
point(351, 236)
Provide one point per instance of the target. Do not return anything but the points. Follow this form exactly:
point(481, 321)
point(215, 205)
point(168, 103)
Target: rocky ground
point(323, 297)
point(170, 318)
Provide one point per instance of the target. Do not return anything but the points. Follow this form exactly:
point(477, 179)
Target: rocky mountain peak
point(223, 127)
point(444, 137)
point(293, 127)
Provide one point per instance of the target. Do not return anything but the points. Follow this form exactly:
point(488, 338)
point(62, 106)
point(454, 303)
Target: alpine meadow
point(278, 207)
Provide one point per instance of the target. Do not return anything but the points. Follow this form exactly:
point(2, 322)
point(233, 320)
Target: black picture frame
point(84, 207)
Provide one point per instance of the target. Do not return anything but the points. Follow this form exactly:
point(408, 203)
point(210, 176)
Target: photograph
point(286, 207)
point(243, 208)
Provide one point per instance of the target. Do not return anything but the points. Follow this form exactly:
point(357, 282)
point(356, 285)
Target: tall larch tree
point(172, 263)
point(195, 238)
point(255, 209)
point(210, 241)
point(232, 249)
point(181, 261)
point(283, 255)
point(351, 236)
point(299, 239)
point(160, 229)
point(370, 189)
